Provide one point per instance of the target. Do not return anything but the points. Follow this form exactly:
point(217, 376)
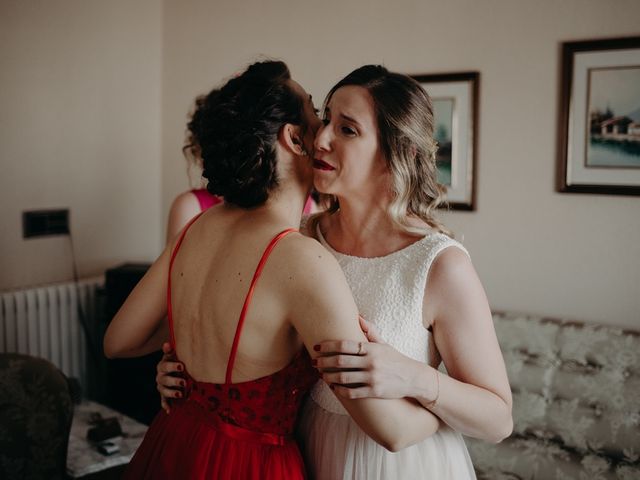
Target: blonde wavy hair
point(404, 114)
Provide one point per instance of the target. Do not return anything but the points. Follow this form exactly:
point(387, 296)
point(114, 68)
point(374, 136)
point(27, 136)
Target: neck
point(358, 220)
point(287, 203)
point(363, 227)
point(360, 225)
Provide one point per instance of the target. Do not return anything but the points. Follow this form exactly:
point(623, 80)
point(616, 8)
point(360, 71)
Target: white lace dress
point(388, 291)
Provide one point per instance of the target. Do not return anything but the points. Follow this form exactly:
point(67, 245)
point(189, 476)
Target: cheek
point(371, 161)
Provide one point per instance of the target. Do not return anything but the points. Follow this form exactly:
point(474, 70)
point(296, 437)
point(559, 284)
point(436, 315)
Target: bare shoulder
point(454, 289)
point(304, 265)
point(451, 264)
point(185, 203)
point(183, 208)
point(306, 252)
point(316, 292)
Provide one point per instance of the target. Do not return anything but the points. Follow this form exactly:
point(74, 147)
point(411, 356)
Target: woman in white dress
point(375, 157)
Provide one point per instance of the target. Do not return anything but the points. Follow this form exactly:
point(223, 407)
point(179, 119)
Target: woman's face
point(348, 160)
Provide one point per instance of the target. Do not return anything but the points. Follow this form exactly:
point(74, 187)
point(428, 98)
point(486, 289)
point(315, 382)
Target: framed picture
point(599, 137)
point(455, 105)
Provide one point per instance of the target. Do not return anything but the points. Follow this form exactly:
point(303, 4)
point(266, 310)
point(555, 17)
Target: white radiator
point(44, 322)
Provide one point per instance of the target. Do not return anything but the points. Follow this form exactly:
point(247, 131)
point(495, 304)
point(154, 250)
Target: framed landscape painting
point(599, 139)
point(455, 108)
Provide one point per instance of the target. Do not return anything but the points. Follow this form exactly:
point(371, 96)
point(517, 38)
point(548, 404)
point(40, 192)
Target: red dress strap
point(247, 300)
point(172, 338)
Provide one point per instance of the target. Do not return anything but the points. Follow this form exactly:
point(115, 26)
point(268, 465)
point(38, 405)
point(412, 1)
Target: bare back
point(210, 278)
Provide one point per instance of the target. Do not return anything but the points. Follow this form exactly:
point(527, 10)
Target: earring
point(304, 153)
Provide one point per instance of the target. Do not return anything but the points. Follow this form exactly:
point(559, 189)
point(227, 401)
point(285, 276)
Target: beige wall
point(94, 97)
point(536, 250)
point(80, 128)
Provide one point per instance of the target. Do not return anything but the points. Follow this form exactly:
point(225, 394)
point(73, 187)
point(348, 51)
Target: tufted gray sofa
point(576, 402)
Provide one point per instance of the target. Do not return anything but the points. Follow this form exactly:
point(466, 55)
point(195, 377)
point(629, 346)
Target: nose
point(323, 139)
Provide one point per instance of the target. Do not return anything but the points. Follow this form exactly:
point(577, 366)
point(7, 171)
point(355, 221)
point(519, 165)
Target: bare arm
point(139, 327)
point(475, 397)
point(323, 309)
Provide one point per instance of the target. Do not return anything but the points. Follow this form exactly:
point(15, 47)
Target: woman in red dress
point(248, 299)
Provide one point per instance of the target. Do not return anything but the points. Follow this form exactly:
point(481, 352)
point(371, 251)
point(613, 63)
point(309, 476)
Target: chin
point(322, 187)
point(324, 178)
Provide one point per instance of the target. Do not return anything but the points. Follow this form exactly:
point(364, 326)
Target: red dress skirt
point(235, 431)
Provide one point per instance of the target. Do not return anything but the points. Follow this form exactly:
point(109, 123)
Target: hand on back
point(169, 381)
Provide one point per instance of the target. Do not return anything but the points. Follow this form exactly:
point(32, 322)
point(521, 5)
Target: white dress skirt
point(336, 448)
point(389, 293)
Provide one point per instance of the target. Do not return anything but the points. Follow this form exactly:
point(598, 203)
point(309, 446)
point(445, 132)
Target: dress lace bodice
point(389, 292)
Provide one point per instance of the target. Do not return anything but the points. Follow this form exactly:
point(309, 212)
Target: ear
point(290, 136)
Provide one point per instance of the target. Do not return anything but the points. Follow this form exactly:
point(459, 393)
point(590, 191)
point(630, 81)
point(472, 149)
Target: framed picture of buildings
point(455, 105)
point(599, 137)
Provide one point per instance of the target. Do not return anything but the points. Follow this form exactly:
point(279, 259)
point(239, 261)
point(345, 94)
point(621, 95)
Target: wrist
point(426, 386)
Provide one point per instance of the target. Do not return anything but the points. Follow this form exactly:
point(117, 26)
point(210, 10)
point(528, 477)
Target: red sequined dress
point(229, 430)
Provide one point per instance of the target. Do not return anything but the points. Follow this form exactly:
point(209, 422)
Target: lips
point(321, 165)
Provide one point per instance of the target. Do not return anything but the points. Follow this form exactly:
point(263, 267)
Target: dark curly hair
point(234, 131)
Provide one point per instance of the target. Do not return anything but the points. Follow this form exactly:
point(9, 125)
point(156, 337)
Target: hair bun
point(234, 131)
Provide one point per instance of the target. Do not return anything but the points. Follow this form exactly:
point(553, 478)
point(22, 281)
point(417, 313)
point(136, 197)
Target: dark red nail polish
point(179, 367)
point(332, 386)
point(182, 383)
point(316, 348)
point(314, 362)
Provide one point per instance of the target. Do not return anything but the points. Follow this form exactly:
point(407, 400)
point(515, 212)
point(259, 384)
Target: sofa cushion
point(576, 403)
point(530, 458)
point(531, 358)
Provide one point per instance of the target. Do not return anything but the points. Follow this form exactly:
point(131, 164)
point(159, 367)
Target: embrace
point(313, 351)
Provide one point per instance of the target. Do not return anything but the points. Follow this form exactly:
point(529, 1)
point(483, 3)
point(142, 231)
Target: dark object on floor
point(107, 448)
point(104, 429)
point(36, 410)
